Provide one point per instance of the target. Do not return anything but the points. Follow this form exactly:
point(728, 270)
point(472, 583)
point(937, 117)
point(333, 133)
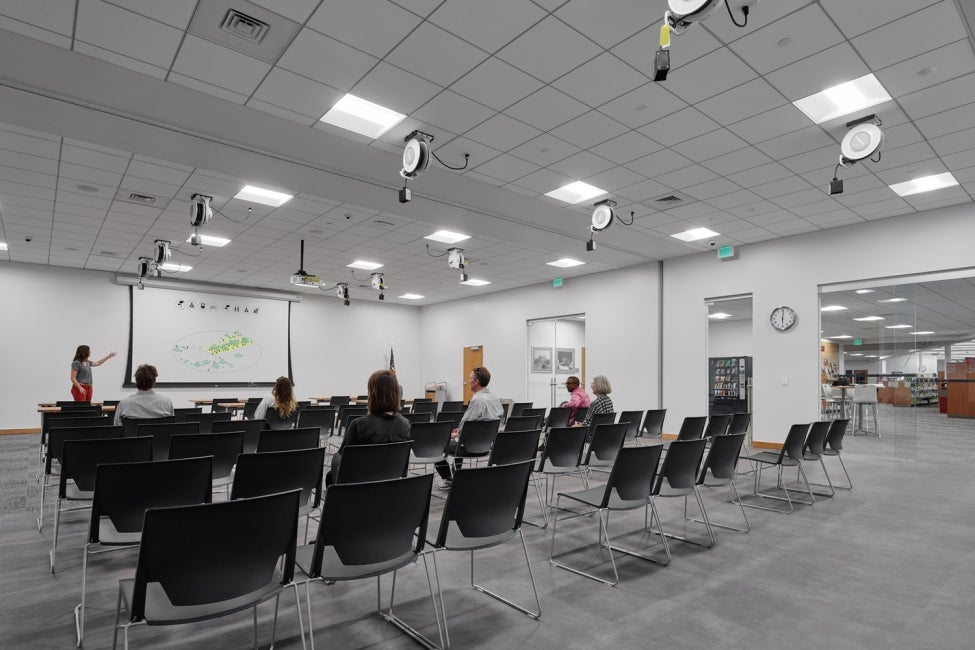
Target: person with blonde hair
point(281, 399)
point(601, 388)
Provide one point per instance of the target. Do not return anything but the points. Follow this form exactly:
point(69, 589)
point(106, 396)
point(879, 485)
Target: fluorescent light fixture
point(855, 354)
point(576, 192)
point(474, 282)
point(565, 262)
point(893, 300)
point(870, 356)
point(256, 194)
point(869, 318)
point(832, 308)
point(412, 296)
point(210, 240)
point(921, 334)
point(695, 233)
point(897, 327)
point(447, 237)
point(843, 99)
point(864, 290)
point(362, 116)
point(924, 184)
point(364, 265)
point(176, 268)
point(3, 245)
point(719, 315)
point(841, 336)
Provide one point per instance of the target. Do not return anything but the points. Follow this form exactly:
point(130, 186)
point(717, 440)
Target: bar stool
point(864, 400)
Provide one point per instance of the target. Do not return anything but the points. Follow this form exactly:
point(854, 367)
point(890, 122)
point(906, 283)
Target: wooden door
point(473, 358)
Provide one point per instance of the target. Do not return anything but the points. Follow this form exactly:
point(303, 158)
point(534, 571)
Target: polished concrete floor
point(890, 564)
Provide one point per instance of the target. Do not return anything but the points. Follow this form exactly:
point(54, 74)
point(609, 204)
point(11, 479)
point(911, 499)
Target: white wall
point(621, 333)
point(788, 272)
point(49, 311)
point(730, 338)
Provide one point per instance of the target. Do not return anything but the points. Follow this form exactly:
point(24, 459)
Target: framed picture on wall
point(541, 359)
point(565, 359)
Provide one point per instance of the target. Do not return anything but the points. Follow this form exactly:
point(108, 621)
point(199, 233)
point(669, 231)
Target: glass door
point(556, 351)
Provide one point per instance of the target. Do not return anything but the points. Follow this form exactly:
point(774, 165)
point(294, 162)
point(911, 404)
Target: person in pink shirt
point(577, 397)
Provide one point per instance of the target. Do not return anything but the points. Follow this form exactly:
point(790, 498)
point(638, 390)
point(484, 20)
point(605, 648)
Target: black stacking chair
point(349, 413)
point(653, 423)
point(514, 447)
point(789, 456)
point(475, 440)
point(629, 488)
point(453, 417)
point(633, 421)
point(518, 408)
point(558, 416)
point(110, 402)
point(718, 470)
point(80, 409)
point(369, 530)
point(692, 428)
point(562, 457)
point(581, 414)
point(217, 404)
point(79, 460)
point(161, 433)
point(429, 442)
point(365, 463)
point(131, 425)
point(424, 407)
point(180, 414)
point(528, 411)
point(739, 423)
point(485, 509)
point(280, 471)
point(415, 418)
point(223, 447)
point(605, 444)
point(206, 420)
point(678, 477)
point(287, 439)
point(322, 417)
point(338, 400)
point(55, 447)
point(67, 421)
point(214, 561)
point(123, 492)
point(523, 423)
point(452, 406)
point(815, 449)
point(303, 403)
point(275, 420)
point(251, 428)
point(717, 426)
point(250, 407)
point(834, 442)
point(70, 402)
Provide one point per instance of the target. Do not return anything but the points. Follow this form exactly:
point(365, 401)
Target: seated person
point(484, 405)
point(602, 404)
point(577, 397)
point(282, 400)
point(382, 423)
point(145, 403)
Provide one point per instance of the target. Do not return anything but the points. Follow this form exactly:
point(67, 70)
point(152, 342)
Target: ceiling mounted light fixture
point(869, 318)
point(694, 234)
point(924, 184)
point(843, 99)
point(362, 116)
point(576, 192)
point(264, 196)
point(720, 315)
point(565, 263)
point(207, 240)
point(832, 308)
point(412, 296)
point(342, 291)
point(474, 282)
point(447, 237)
point(377, 283)
point(363, 265)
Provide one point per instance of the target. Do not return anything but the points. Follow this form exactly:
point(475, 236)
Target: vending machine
point(729, 380)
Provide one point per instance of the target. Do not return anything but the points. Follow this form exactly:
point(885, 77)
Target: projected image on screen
point(217, 351)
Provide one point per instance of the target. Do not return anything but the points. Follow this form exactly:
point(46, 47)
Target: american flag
point(392, 363)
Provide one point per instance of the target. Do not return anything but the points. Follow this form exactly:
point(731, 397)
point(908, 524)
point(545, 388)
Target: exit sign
point(557, 283)
point(726, 253)
point(857, 341)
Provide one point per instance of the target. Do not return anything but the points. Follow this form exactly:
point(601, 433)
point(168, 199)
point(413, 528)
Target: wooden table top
point(57, 409)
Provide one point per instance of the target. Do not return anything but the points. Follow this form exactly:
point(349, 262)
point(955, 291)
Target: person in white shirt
point(483, 406)
point(145, 403)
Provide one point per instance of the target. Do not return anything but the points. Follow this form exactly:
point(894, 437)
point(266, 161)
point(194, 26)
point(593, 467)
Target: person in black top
point(381, 424)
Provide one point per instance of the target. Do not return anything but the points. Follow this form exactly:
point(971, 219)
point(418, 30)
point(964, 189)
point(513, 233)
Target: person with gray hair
point(601, 388)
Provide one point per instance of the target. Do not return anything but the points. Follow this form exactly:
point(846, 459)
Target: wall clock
point(783, 318)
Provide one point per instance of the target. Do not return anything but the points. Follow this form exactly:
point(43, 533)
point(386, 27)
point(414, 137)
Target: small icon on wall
point(180, 304)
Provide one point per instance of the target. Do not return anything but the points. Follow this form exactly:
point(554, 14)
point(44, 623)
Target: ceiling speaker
point(862, 141)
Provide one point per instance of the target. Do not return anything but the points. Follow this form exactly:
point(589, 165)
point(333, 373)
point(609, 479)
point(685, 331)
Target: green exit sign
point(557, 283)
point(857, 341)
point(726, 253)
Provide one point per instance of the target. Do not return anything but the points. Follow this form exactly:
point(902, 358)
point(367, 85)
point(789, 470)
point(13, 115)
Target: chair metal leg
point(755, 492)
point(54, 541)
point(118, 610)
point(79, 610)
point(747, 527)
point(412, 632)
point(311, 625)
point(40, 515)
point(849, 481)
point(603, 534)
point(541, 504)
point(536, 614)
point(301, 624)
point(828, 484)
point(705, 520)
point(443, 610)
point(254, 610)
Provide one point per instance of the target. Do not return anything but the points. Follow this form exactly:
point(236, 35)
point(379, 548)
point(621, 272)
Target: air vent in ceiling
point(388, 224)
point(142, 198)
point(107, 254)
point(670, 199)
point(243, 26)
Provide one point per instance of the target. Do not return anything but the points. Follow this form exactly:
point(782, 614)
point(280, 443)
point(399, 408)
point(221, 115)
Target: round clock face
point(783, 318)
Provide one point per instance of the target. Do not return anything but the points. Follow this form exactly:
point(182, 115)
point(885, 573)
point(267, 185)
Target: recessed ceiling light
point(864, 290)
point(841, 336)
point(364, 265)
point(855, 354)
point(695, 233)
point(869, 318)
point(3, 245)
point(922, 333)
point(362, 116)
point(256, 194)
point(924, 184)
point(565, 262)
point(175, 268)
point(870, 356)
point(719, 315)
point(893, 300)
point(832, 308)
point(843, 99)
point(210, 240)
point(412, 296)
point(576, 192)
point(897, 327)
point(447, 237)
point(474, 282)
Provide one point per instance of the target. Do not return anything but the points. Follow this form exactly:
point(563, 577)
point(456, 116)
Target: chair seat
point(109, 535)
point(161, 611)
point(72, 493)
point(457, 541)
point(772, 458)
point(334, 569)
point(550, 470)
point(808, 455)
point(594, 497)
point(416, 460)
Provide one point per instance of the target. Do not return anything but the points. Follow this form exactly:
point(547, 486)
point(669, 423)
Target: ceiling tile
point(373, 26)
point(120, 60)
point(928, 69)
point(780, 187)
point(549, 50)
point(956, 119)
point(297, 93)
point(707, 76)
point(453, 152)
point(127, 33)
point(453, 112)
point(496, 84)
point(642, 105)
point(940, 24)
point(590, 129)
point(395, 89)
point(506, 168)
point(856, 18)
point(543, 180)
point(55, 15)
point(582, 165)
point(607, 22)
point(326, 60)
point(828, 68)
point(207, 88)
point(615, 178)
point(657, 163)
point(488, 25)
point(546, 109)
point(796, 142)
point(296, 10)
point(677, 127)
point(749, 99)
point(941, 97)
point(502, 132)
point(217, 65)
point(790, 39)
point(686, 176)
point(600, 80)
point(711, 189)
point(736, 161)
point(175, 13)
point(436, 55)
point(545, 150)
point(710, 145)
point(637, 50)
point(277, 111)
point(627, 147)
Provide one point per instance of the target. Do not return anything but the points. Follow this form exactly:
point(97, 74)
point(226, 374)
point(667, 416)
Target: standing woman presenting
point(81, 373)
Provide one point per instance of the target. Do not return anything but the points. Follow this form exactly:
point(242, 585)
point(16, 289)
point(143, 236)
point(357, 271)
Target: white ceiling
point(538, 93)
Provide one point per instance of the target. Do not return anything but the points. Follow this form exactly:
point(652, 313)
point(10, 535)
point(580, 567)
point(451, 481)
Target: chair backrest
point(476, 437)
point(452, 406)
point(523, 423)
point(692, 428)
point(514, 447)
point(415, 418)
point(277, 421)
point(251, 428)
point(161, 433)
point(633, 474)
point(223, 447)
point(131, 425)
point(322, 417)
point(57, 436)
point(717, 425)
point(606, 441)
point(722, 457)
point(364, 463)
point(558, 416)
point(633, 421)
point(280, 471)
point(835, 436)
point(581, 413)
point(287, 439)
point(123, 491)
point(213, 553)
point(81, 410)
point(816, 439)
point(180, 414)
point(217, 404)
point(601, 418)
point(681, 465)
point(70, 420)
point(206, 420)
point(429, 439)
point(250, 407)
point(739, 423)
point(795, 442)
point(303, 404)
point(338, 400)
point(380, 523)
point(485, 503)
point(80, 458)
point(865, 394)
point(424, 407)
point(653, 423)
point(453, 417)
point(350, 412)
point(527, 411)
point(111, 402)
point(563, 447)
point(517, 409)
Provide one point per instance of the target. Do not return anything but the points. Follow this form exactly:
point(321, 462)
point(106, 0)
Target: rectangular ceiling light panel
point(924, 184)
point(474, 282)
point(565, 263)
point(695, 234)
point(364, 265)
point(362, 116)
point(576, 192)
point(210, 240)
point(256, 194)
point(843, 99)
point(412, 296)
point(447, 237)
